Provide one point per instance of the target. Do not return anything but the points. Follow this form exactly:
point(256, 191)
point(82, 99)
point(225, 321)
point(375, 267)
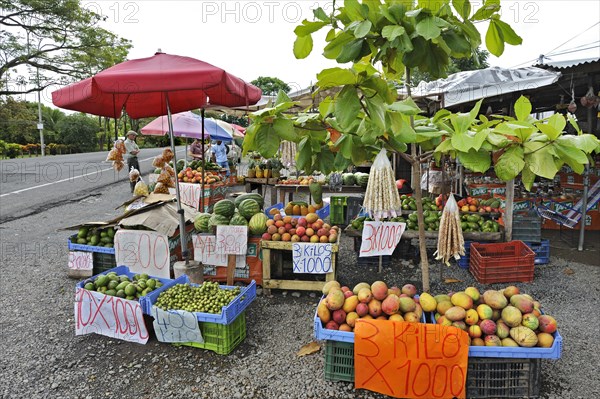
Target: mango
point(365, 295)
point(396, 317)
point(522, 302)
point(407, 304)
point(323, 312)
point(524, 336)
point(510, 291)
point(509, 342)
point(411, 317)
point(443, 306)
point(477, 342)
point(419, 311)
point(463, 300)
point(495, 299)
point(332, 325)
point(339, 316)
point(391, 304)
point(547, 324)
point(545, 340)
point(496, 314)
point(409, 290)
point(502, 329)
point(455, 313)
point(350, 304)
point(375, 307)
point(442, 297)
point(531, 321)
point(511, 316)
point(460, 325)
point(488, 327)
point(484, 311)
point(492, 340)
point(379, 290)
point(330, 284)
point(473, 293)
point(428, 303)
point(442, 320)
point(474, 331)
point(359, 286)
point(335, 299)
point(351, 318)
point(345, 327)
point(362, 309)
point(471, 317)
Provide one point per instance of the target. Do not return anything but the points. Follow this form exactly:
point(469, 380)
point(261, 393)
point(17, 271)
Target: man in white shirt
point(132, 154)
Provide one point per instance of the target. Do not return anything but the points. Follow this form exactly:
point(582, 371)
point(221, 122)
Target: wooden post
point(508, 213)
point(230, 269)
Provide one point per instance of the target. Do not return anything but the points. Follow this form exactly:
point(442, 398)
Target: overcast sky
point(255, 38)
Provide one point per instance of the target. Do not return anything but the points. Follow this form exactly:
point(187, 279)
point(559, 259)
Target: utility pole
point(40, 124)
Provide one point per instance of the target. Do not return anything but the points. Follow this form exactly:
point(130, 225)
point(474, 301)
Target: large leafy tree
point(478, 60)
point(57, 37)
point(384, 41)
point(271, 86)
point(79, 131)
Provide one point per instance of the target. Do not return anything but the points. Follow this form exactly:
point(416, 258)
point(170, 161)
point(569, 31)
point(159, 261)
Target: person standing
point(220, 155)
point(195, 151)
point(132, 154)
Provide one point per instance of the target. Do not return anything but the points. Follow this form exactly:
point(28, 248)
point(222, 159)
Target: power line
point(575, 51)
point(574, 37)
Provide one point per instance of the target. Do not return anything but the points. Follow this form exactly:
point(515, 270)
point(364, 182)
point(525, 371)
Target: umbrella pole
point(184, 252)
point(203, 163)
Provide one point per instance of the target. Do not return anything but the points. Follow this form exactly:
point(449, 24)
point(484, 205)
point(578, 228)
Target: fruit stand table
point(290, 189)
point(269, 257)
point(261, 184)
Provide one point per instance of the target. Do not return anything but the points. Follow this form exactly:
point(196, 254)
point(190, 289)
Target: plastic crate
point(541, 250)
point(337, 214)
point(503, 378)
point(554, 352)
point(322, 213)
point(103, 262)
point(227, 315)
point(124, 270)
point(339, 361)
point(502, 263)
point(353, 208)
point(220, 338)
point(73, 246)
point(527, 227)
point(463, 262)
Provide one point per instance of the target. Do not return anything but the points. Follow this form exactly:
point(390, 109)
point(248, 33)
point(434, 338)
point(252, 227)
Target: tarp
point(467, 86)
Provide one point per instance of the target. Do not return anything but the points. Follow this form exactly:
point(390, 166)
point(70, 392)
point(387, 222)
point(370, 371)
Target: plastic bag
point(114, 155)
point(120, 146)
point(451, 243)
point(134, 175)
point(118, 165)
point(161, 189)
point(140, 188)
point(167, 155)
point(381, 198)
point(158, 161)
point(169, 170)
point(164, 177)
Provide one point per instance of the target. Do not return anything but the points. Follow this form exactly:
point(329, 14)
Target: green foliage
point(59, 37)
point(271, 86)
point(478, 60)
point(13, 150)
point(79, 131)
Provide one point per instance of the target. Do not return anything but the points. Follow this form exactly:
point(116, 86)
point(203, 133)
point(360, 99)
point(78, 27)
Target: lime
point(89, 286)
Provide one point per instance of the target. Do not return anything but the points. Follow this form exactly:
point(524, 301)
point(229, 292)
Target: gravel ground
point(42, 357)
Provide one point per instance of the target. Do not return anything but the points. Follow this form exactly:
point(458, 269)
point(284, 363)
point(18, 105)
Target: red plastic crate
point(502, 262)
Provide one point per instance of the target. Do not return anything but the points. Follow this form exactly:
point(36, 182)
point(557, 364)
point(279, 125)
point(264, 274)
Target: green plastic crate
point(337, 214)
point(339, 361)
point(103, 262)
point(221, 338)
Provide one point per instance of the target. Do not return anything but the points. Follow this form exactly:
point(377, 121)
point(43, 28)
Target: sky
point(255, 38)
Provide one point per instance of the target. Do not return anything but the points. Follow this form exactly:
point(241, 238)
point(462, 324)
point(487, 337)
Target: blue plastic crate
point(125, 270)
point(553, 352)
point(463, 262)
point(324, 334)
point(227, 315)
point(73, 246)
point(322, 213)
point(542, 251)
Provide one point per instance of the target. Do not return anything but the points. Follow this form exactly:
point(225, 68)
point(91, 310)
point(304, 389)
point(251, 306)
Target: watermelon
point(238, 220)
point(248, 208)
point(257, 197)
point(201, 221)
point(348, 179)
point(217, 220)
point(258, 224)
point(225, 208)
point(362, 179)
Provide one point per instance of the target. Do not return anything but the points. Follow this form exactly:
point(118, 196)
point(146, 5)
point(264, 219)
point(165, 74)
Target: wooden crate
point(272, 256)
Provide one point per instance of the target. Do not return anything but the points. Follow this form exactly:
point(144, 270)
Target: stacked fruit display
point(471, 204)
point(189, 175)
point(122, 286)
point(297, 208)
point(301, 181)
point(95, 237)
point(476, 222)
point(341, 307)
point(304, 229)
point(495, 318)
point(208, 297)
point(245, 210)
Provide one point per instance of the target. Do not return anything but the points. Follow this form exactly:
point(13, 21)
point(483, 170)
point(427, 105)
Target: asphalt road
point(32, 185)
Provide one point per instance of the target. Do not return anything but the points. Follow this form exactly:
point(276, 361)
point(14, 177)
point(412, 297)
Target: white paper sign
point(79, 260)
point(205, 251)
point(190, 194)
point(176, 326)
point(311, 258)
point(143, 252)
point(380, 238)
point(232, 240)
point(109, 315)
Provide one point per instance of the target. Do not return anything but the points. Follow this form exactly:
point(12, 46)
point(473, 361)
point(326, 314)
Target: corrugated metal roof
point(567, 64)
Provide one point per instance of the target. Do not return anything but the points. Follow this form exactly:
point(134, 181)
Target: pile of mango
point(475, 222)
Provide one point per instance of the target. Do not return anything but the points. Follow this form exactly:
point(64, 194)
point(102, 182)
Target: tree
point(18, 122)
point(476, 61)
point(398, 37)
point(271, 86)
point(57, 37)
point(79, 131)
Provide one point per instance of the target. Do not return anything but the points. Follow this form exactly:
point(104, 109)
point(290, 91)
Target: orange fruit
point(286, 237)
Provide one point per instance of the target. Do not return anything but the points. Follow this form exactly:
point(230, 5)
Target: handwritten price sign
point(81, 260)
point(410, 360)
point(143, 251)
point(232, 240)
point(190, 194)
point(109, 315)
point(311, 258)
point(176, 326)
point(380, 238)
point(205, 251)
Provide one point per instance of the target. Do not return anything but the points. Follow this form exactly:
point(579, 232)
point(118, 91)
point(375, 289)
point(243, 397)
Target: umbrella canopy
point(188, 125)
point(142, 87)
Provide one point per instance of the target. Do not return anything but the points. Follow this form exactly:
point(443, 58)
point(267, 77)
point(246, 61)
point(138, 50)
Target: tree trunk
point(416, 180)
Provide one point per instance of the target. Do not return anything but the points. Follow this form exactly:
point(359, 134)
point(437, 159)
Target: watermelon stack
point(243, 211)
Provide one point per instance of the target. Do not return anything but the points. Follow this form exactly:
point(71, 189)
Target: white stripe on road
point(68, 179)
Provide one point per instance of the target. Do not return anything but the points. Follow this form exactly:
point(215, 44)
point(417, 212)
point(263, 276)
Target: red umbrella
point(159, 85)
